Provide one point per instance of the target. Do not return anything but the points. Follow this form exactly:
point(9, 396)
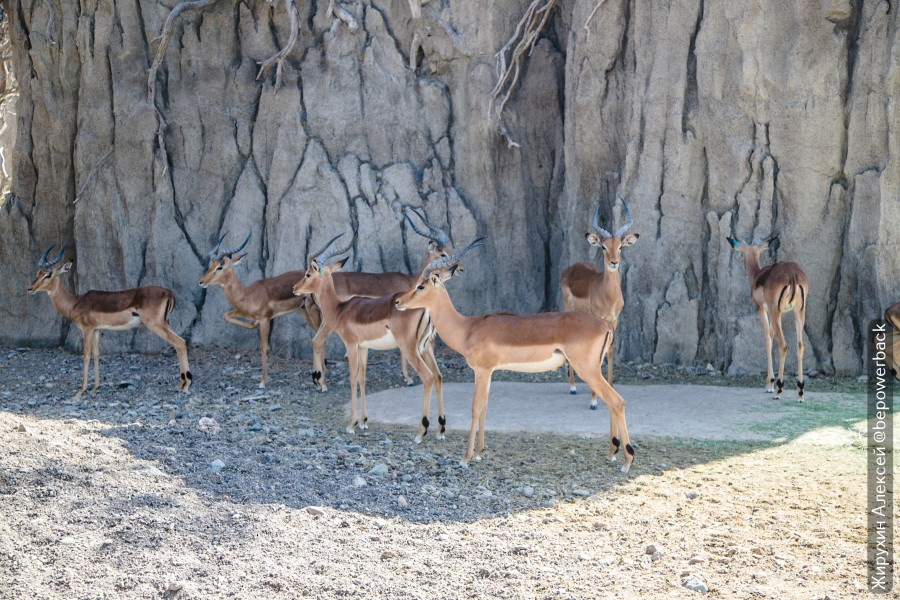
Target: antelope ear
point(734, 243)
point(593, 239)
point(630, 239)
point(65, 268)
point(435, 279)
point(238, 258)
point(337, 266)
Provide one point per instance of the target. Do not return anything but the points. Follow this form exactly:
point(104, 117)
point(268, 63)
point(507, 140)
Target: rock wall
point(709, 117)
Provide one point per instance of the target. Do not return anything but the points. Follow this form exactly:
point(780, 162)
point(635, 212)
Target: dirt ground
point(120, 495)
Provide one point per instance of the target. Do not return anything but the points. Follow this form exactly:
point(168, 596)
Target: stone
point(653, 549)
point(696, 560)
point(691, 494)
point(175, 586)
point(695, 584)
point(528, 491)
point(359, 481)
point(208, 425)
point(316, 511)
point(216, 466)
point(402, 502)
point(379, 470)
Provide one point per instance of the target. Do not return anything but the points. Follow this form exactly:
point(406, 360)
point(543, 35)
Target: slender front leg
point(616, 405)
point(767, 340)
point(405, 371)
point(353, 362)
point(318, 346)
point(87, 340)
point(159, 326)
point(431, 364)
point(264, 348)
point(363, 360)
point(240, 319)
point(572, 389)
point(482, 389)
point(96, 353)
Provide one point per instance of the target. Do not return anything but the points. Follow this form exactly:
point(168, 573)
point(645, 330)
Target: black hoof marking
point(772, 380)
point(779, 385)
point(366, 420)
point(316, 376)
point(443, 422)
point(629, 450)
point(425, 424)
point(188, 376)
point(181, 377)
point(616, 443)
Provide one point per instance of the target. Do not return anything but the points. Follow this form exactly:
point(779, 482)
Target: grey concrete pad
point(686, 411)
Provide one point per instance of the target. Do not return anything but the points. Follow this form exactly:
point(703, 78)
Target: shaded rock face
point(712, 118)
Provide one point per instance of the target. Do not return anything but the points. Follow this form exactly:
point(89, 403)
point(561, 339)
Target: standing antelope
point(365, 324)
point(525, 343)
point(257, 304)
point(588, 289)
point(892, 316)
point(775, 290)
point(149, 306)
point(376, 285)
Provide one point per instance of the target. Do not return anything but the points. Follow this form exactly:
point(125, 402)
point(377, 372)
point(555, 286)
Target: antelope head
point(319, 268)
point(48, 273)
point(611, 244)
point(433, 277)
point(759, 244)
point(439, 241)
point(220, 261)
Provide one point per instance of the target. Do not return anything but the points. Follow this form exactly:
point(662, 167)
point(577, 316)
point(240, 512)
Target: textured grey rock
point(710, 117)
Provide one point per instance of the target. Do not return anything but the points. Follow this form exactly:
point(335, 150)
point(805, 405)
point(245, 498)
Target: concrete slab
point(687, 411)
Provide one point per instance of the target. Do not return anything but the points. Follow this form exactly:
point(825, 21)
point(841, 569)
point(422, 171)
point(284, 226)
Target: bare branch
point(591, 16)
point(277, 59)
point(520, 44)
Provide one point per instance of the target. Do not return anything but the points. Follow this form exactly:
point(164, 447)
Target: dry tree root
point(334, 9)
point(161, 53)
point(277, 59)
point(508, 69)
point(591, 16)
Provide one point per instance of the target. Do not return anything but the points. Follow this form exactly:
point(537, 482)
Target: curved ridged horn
point(213, 254)
point(239, 248)
point(446, 262)
point(43, 257)
point(595, 223)
point(323, 260)
point(621, 230)
point(436, 234)
point(315, 255)
point(45, 264)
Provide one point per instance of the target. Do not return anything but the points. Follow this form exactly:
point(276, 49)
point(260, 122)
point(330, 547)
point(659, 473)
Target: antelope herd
point(383, 311)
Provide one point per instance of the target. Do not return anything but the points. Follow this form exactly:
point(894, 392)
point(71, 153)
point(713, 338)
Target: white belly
point(131, 323)
point(556, 360)
point(385, 342)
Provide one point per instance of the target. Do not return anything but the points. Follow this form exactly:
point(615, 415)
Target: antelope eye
point(307, 275)
point(444, 255)
point(219, 268)
point(420, 287)
point(48, 275)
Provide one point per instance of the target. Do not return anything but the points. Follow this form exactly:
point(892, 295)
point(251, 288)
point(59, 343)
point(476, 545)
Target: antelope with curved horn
point(892, 316)
point(365, 324)
point(93, 311)
point(255, 305)
point(585, 288)
point(376, 285)
point(525, 343)
point(775, 290)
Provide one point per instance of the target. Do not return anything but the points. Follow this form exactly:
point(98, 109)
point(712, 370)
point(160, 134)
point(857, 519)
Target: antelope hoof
point(593, 405)
point(572, 390)
point(625, 469)
point(363, 425)
point(410, 383)
point(464, 464)
point(477, 458)
point(418, 439)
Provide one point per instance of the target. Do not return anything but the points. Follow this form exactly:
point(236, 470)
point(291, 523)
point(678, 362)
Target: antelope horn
point(438, 235)
point(413, 224)
point(446, 262)
point(213, 254)
point(595, 223)
point(628, 222)
point(328, 255)
point(758, 240)
point(315, 255)
point(49, 264)
point(43, 258)
point(239, 248)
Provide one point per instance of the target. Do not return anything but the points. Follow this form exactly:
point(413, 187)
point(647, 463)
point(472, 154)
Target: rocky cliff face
point(710, 117)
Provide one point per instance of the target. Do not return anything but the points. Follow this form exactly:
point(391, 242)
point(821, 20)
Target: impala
point(254, 306)
point(525, 343)
point(365, 324)
point(775, 290)
point(585, 288)
point(892, 316)
point(93, 311)
point(377, 285)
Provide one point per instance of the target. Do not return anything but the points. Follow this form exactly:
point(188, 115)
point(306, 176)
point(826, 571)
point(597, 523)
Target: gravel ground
point(121, 496)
